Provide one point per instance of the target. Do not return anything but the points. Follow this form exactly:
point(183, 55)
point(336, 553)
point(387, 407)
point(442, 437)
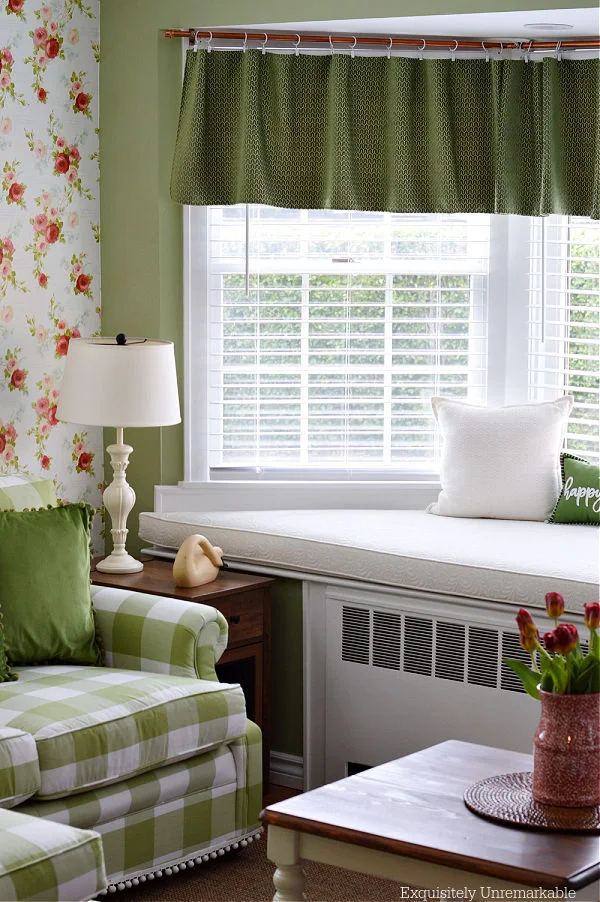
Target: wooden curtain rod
point(417, 43)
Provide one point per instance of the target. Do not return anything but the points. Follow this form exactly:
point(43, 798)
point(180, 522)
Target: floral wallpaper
point(49, 234)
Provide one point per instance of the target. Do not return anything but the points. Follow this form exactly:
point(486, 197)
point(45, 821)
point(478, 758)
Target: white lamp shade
point(106, 384)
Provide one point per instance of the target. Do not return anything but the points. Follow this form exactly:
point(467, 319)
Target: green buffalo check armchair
point(118, 773)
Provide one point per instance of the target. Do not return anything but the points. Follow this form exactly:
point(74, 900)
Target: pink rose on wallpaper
point(8, 454)
point(62, 346)
point(72, 175)
point(52, 416)
point(82, 101)
point(73, 37)
point(44, 462)
point(45, 429)
point(46, 12)
point(42, 406)
point(5, 268)
point(8, 246)
point(18, 378)
point(53, 27)
point(42, 246)
point(60, 142)
point(75, 333)
point(39, 36)
point(52, 233)
point(85, 461)
point(7, 57)
point(61, 163)
point(6, 314)
point(11, 365)
point(52, 48)
point(5, 80)
point(15, 6)
point(5, 125)
point(61, 325)
point(40, 222)
point(77, 267)
point(42, 280)
point(42, 94)
point(15, 192)
point(11, 432)
point(76, 87)
point(78, 446)
point(73, 220)
point(2, 442)
point(1, 255)
point(41, 333)
point(83, 283)
point(75, 154)
point(54, 394)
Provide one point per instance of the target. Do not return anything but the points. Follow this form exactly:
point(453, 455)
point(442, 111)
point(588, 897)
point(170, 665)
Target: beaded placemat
point(507, 799)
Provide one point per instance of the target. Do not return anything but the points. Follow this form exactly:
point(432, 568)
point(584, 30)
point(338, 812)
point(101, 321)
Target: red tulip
point(529, 642)
point(592, 615)
point(526, 623)
point(562, 640)
point(555, 605)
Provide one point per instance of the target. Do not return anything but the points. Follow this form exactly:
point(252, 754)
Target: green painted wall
point(142, 252)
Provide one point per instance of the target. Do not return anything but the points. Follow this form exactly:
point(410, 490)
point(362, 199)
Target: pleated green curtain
point(399, 134)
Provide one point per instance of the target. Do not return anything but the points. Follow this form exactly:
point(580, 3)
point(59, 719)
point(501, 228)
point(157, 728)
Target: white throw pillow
point(501, 462)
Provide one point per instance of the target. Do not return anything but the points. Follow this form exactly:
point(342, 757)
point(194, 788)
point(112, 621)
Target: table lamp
point(119, 382)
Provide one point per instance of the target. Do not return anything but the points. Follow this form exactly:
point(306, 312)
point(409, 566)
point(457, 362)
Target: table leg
point(282, 849)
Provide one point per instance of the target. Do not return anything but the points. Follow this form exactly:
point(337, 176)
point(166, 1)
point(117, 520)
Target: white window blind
point(564, 331)
point(352, 321)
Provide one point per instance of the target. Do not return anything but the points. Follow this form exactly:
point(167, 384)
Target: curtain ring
point(453, 51)
point(389, 48)
point(264, 44)
point(245, 47)
point(486, 51)
point(558, 51)
point(297, 45)
point(209, 45)
point(331, 45)
point(422, 48)
point(501, 51)
point(352, 48)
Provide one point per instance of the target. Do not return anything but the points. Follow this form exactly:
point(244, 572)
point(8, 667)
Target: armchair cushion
point(45, 860)
point(19, 767)
point(159, 635)
point(96, 725)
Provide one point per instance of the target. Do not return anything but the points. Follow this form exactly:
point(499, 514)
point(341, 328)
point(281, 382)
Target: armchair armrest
point(158, 635)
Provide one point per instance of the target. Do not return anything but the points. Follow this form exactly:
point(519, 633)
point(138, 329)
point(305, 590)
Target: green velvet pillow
point(579, 500)
point(19, 492)
point(45, 586)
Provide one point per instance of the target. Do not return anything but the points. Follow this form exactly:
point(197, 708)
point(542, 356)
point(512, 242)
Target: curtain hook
point(422, 48)
point(389, 48)
point(352, 48)
point(486, 51)
point(331, 45)
point(264, 44)
point(245, 47)
point(558, 51)
point(501, 51)
point(209, 45)
point(297, 45)
point(193, 39)
point(453, 51)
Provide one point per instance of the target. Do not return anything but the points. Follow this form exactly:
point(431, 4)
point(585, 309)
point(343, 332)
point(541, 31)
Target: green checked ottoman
point(41, 860)
point(151, 752)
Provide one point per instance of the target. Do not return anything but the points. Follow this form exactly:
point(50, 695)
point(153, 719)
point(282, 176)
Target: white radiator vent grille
point(356, 630)
point(387, 639)
point(430, 647)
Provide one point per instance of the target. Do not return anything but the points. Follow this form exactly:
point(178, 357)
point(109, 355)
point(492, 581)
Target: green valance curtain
point(399, 134)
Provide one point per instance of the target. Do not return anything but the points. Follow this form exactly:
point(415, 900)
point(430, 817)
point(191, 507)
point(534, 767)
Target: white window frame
point(508, 383)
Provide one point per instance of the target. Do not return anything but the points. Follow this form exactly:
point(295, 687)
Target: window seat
point(510, 561)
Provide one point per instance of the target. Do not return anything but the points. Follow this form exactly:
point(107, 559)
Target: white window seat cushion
point(496, 560)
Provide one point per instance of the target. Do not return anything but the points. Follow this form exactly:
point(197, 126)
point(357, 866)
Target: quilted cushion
point(44, 860)
point(19, 768)
point(98, 725)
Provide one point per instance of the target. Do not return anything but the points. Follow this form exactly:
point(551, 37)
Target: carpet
point(246, 875)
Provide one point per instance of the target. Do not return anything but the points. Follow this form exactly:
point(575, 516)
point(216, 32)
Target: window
point(321, 362)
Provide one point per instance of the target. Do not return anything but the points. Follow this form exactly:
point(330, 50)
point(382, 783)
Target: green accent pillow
point(19, 492)
point(579, 500)
point(45, 586)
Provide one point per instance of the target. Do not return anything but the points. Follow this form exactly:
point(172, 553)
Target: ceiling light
point(547, 26)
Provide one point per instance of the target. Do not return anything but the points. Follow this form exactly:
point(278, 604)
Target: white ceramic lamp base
point(119, 499)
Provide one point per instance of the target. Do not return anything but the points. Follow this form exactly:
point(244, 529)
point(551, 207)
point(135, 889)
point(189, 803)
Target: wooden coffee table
point(407, 821)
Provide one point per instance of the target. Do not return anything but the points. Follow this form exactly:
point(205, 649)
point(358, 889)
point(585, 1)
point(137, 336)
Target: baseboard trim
point(287, 770)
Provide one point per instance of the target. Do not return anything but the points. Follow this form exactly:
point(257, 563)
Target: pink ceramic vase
point(566, 751)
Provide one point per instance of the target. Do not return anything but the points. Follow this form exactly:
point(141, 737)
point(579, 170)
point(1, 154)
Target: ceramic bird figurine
point(197, 562)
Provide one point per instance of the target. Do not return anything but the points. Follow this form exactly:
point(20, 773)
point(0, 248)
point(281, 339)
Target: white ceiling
point(518, 25)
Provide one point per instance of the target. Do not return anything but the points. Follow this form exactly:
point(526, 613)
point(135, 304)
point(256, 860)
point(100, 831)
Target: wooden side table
point(245, 602)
